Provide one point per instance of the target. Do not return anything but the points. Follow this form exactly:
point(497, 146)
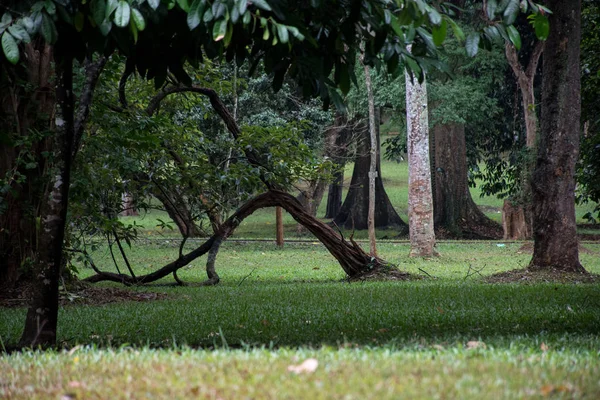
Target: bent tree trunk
point(455, 212)
point(554, 224)
point(353, 214)
point(352, 258)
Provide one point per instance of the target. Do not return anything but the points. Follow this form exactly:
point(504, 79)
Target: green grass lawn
point(449, 337)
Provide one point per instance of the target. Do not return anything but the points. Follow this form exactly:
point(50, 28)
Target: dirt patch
point(81, 295)
point(527, 248)
point(542, 276)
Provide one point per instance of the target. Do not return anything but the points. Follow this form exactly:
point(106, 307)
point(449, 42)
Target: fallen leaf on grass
point(308, 366)
point(474, 344)
point(548, 390)
point(544, 347)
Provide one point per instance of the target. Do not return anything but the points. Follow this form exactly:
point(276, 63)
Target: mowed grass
point(449, 337)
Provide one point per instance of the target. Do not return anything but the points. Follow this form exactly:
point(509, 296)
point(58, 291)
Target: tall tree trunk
point(517, 220)
point(455, 212)
point(24, 108)
point(420, 199)
point(335, 191)
point(42, 315)
point(372, 163)
point(353, 214)
point(554, 224)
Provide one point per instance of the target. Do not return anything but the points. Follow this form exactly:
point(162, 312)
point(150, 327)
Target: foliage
point(588, 170)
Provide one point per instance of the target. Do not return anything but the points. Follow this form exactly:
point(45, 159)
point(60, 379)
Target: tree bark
point(455, 212)
point(420, 198)
point(517, 217)
point(42, 315)
point(354, 261)
point(23, 109)
point(353, 214)
point(372, 163)
point(554, 224)
point(338, 156)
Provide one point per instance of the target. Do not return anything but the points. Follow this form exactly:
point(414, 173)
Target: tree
point(555, 231)
point(420, 200)
point(159, 38)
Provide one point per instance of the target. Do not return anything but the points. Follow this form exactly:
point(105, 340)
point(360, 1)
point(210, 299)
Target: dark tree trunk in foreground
point(353, 214)
point(554, 224)
point(455, 212)
point(42, 315)
point(352, 258)
point(23, 108)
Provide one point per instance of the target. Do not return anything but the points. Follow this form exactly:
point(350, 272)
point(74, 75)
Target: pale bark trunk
point(555, 230)
point(517, 215)
point(373, 163)
point(420, 199)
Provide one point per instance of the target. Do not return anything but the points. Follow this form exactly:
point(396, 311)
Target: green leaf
point(492, 6)
point(134, 30)
point(514, 36)
point(434, 16)
point(247, 18)
point(242, 6)
point(122, 14)
point(10, 48)
point(98, 8)
point(472, 44)
point(295, 32)
point(138, 18)
point(50, 7)
point(262, 4)
point(19, 33)
point(105, 27)
point(439, 33)
point(195, 14)
point(542, 26)
point(458, 32)
point(511, 11)
point(153, 3)
point(282, 32)
point(185, 6)
point(48, 29)
point(219, 30)
point(79, 21)
point(111, 6)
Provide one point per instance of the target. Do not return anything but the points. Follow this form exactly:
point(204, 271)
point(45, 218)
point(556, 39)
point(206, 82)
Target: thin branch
point(93, 71)
point(123, 254)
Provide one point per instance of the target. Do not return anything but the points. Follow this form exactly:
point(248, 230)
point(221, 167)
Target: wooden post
point(279, 223)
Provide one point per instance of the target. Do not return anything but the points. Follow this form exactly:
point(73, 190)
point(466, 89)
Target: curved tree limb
point(353, 260)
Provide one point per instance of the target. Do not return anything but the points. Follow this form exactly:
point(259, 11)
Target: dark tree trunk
point(353, 214)
point(553, 183)
point(334, 194)
point(42, 315)
point(455, 212)
point(23, 109)
point(338, 156)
